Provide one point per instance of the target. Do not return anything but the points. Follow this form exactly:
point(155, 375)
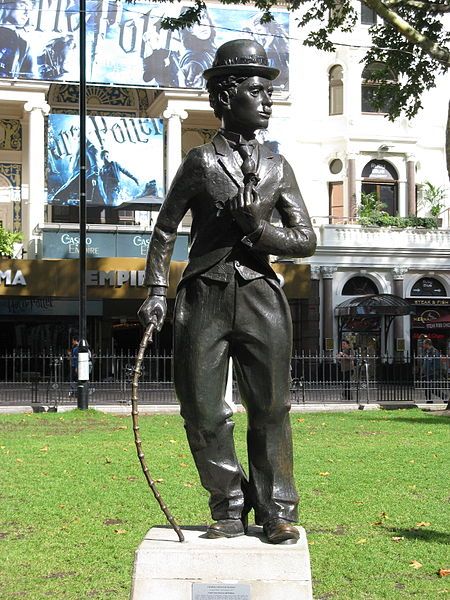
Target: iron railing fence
point(316, 378)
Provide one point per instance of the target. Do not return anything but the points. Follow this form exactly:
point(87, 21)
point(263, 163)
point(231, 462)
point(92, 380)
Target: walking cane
point(147, 337)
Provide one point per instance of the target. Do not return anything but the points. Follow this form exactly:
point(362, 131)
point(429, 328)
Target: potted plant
point(8, 239)
point(433, 199)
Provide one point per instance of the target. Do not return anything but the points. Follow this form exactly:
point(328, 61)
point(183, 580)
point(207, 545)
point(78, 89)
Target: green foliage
point(75, 505)
point(7, 241)
point(433, 198)
point(370, 213)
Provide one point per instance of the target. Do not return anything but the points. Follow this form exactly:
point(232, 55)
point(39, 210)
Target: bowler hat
point(241, 57)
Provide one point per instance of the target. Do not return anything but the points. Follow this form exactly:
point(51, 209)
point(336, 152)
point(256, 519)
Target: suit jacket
point(205, 182)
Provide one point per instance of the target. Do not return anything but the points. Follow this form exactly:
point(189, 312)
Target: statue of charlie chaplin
point(229, 302)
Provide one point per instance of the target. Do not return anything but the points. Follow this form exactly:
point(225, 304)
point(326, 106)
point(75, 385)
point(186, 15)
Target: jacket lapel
point(266, 162)
point(227, 161)
point(229, 164)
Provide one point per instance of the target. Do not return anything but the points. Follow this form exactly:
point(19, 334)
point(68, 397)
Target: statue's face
point(250, 108)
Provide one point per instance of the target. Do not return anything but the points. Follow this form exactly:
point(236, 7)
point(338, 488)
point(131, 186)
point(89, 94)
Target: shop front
point(39, 302)
point(432, 320)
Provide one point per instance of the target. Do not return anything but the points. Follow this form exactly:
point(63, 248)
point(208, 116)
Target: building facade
point(341, 151)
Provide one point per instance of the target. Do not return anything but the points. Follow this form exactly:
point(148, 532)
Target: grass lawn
point(74, 505)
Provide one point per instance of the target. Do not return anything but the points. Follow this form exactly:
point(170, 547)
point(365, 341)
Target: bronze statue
point(229, 302)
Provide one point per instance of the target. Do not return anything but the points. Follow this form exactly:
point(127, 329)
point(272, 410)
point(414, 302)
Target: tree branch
point(433, 7)
point(439, 53)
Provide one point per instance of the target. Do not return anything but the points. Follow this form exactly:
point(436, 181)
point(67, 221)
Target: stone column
point(174, 118)
point(34, 202)
point(411, 185)
point(327, 302)
point(398, 274)
point(351, 185)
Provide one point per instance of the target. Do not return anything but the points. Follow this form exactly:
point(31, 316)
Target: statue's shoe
point(225, 528)
point(280, 531)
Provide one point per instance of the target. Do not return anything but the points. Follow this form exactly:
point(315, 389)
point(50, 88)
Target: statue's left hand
point(246, 209)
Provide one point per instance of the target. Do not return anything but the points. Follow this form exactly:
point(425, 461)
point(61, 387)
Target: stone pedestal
point(243, 568)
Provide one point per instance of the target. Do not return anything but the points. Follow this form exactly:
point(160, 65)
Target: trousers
point(250, 322)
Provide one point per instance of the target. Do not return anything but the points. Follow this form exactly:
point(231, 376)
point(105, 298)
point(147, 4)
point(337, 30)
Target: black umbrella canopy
point(144, 203)
point(374, 305)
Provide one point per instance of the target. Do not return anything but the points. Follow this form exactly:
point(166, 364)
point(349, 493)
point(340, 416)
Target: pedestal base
point(243, 568)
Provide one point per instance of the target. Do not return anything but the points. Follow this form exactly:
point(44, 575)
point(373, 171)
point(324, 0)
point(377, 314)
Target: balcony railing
point(345, 232)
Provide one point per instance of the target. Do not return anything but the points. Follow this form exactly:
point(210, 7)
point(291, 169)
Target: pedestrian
point(431, 372)
point(346, 362)
point(74, 365)
point(230, 303)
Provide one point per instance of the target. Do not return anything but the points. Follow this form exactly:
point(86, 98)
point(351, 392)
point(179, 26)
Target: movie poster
point(124, 160)
point(125, 44)
point(135, 50)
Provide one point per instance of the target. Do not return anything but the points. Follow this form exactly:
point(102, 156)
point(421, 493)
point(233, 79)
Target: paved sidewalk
point(146, 409)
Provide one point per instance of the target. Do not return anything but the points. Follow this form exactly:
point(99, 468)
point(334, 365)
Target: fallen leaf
point(415, 564)
point(324, 474)
point(108, 461)
point(120, 531)
point(184, 465)
point(423, 524)
point(122, 427)
point(112, 522)
point(172, 441)
point(397, 538)
point(188, 485)
point(384, 515)
point(19, 460)
point(362, 541)
point(159, 480)
point(43, 449)
point(444, 572)
point(377, 523)
point(300, 420)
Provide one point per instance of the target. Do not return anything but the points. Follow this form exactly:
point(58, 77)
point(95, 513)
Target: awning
point(374, 305)
point(144, 203)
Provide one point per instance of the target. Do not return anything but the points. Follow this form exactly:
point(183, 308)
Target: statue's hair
point(216, 85)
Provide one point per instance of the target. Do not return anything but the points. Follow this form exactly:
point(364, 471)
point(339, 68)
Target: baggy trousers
point(251, 322)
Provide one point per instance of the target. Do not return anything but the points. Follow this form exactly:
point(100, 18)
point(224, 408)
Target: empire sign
point(12, 278)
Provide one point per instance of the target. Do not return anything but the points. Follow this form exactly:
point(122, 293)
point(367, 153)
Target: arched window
point(428, 286)
point(336, 90)
point(381, 179)
point(370, 84)
point(359, 286)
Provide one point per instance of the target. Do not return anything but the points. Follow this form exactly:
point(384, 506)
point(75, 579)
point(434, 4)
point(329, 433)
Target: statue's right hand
point(153, 310)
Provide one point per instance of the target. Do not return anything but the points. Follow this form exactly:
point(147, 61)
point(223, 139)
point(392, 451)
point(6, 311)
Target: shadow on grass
point(426, 420)
point(422, 534)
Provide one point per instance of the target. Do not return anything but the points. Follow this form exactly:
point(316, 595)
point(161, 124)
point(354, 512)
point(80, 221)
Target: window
point(359, 286)
point(368, 15)
point(428, 286)
point(380, 178)
point(336, 90)
point(336, 199)
point(370, 85)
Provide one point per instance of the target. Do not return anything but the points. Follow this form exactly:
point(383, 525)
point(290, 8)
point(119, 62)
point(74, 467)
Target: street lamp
point(83, 350)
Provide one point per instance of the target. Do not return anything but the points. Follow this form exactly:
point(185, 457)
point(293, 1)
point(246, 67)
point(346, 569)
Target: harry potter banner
point(124, 160)
point(125, 43)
